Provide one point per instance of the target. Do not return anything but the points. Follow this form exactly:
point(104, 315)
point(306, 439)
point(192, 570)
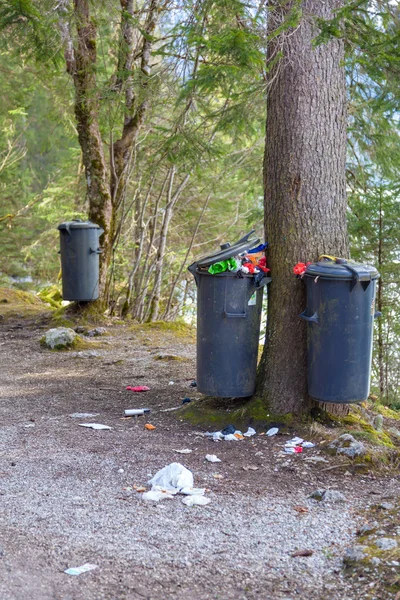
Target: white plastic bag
point(196, 500)
point(173, 477)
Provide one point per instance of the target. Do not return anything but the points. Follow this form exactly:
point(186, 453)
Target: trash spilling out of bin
point(230, 286)
point(340, 317)
point(172, 480)
point(230, 434)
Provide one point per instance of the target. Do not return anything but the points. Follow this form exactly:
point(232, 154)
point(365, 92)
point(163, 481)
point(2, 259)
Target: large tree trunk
point(83, 70)
point(305, 190)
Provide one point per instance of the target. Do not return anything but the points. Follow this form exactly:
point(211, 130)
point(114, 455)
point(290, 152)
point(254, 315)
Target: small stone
point(386, 543)
point(333, 496)
point(375, 561)
point(97, 331)
point(318, 494)
point(120, 470)
point(368, 528)
point(386, 506)
point(354, 555)
point(378, 422)
point(346, 444)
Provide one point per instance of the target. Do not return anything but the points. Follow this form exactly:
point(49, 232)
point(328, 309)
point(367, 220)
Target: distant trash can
point(228, 324)
point(340, 314)
point(79, 249)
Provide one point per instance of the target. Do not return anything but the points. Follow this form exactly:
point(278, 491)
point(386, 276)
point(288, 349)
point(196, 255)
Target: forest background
point(193, 176)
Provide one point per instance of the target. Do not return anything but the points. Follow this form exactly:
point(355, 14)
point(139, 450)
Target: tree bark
point(305, 188)
point(83, 70)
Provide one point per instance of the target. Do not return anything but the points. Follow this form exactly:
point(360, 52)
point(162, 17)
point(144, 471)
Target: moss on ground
point(178, 328)
point(19, 304)
point(241, 412)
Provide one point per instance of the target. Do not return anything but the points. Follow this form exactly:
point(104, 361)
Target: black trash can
point(340, 314)
point(79, 249)
point(228, 325)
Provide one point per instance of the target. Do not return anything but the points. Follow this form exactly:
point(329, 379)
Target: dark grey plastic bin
point(228, 326)
point(340, 314)
point(79, 249)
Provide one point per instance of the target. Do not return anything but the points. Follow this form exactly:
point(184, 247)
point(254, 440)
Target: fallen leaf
point(302, 553)
point(149, 427)
point(301, 509)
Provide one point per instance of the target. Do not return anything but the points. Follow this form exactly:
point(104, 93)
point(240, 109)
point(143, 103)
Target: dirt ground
point(67, 494)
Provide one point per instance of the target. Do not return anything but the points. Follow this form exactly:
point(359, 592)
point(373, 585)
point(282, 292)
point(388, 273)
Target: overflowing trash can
point(79, 249)
point(340, 314)
point(229, 301)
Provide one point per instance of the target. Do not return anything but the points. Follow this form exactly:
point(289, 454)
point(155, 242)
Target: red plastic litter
point(138, 388)
point(298, 449)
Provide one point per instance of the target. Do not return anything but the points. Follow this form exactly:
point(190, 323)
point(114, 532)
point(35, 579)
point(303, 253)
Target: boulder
point(59, 338)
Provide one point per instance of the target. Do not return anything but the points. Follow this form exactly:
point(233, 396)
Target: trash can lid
point(341, 268)
point(78, 224)
point(227, 251)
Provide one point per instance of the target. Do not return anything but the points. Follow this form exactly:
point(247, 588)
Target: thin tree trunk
point(381, 357)
point(81, 65)
point(169, 210)
point(305, 189)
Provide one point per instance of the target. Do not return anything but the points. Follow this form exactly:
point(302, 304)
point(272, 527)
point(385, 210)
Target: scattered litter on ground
point(300, 509)
point(231, 437)
point(186, 400)
point(83, 415)
point(171, 383)
point(217, 476)
point(308, 445)
point(170, 409)
point(193, 384)
point(272, 431)
point(228, 429)
point(250, 432)
point(139, 488)
point(184, 451)
point(212, 458)
point(296, 445)
point(149, 427)
point(193, 491)
point(131, 412)
point(196, 501)
point(156, 495)
point(94, 425)
point(79, 570)
point(120, 470)
point(302, 553)
point(173, 477)
point(30, 425)
point(250, 468)
point(138, 388)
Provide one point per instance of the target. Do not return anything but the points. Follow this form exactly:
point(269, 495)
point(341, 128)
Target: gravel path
point(64, 500)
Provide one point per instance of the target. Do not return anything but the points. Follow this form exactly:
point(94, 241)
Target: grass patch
point(20, 304)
